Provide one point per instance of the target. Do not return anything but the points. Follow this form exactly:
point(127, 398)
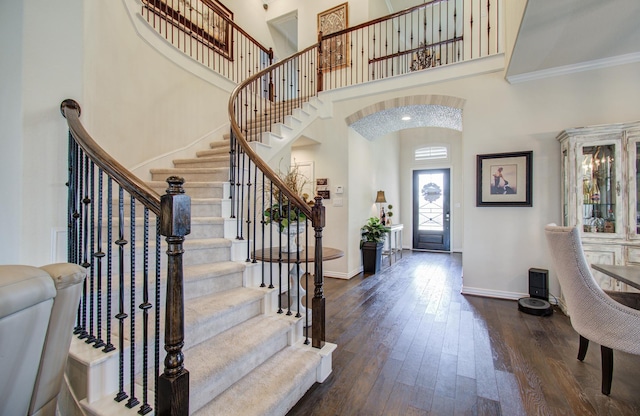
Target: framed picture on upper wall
point(208, 21)
point(504, 179)
point(335, 50)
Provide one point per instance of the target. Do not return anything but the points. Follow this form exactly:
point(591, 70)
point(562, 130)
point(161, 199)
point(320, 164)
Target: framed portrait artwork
point(208, 20)
point(335, 50)
point(504, 179)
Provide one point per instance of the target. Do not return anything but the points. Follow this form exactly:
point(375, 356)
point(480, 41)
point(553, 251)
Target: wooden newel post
point(271, 85)
point(318, 302)
point(175, 224)
point(320, 77)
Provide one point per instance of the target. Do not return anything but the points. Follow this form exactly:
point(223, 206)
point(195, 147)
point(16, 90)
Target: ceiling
point(556, 36)
point(561, 36)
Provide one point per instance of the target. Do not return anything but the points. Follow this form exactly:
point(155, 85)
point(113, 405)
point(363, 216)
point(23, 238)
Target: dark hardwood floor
point(410, 344)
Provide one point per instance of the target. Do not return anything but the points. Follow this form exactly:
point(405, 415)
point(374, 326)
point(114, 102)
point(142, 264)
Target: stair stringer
point(283, 134)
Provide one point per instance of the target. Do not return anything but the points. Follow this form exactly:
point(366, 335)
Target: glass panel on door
point(598, 189)
point(637, 190)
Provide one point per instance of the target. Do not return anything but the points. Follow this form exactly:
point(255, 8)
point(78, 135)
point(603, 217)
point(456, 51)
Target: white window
point(431, 153)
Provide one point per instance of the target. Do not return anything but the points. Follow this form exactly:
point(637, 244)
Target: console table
point(393, 244)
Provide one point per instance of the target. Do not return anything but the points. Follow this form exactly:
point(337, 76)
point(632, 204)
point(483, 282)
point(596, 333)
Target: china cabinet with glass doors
point(601, 193)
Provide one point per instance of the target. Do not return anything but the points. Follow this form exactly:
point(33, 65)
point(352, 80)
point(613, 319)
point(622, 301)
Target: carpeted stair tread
point(216, 158)
point(205, 271)
point(212, 306)
point(204, 279)
point(275, 386)
point(218, 363)
point(214, 151)
point(177, 171)
point(206, 242)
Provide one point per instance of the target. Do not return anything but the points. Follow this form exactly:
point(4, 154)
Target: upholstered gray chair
point(37, 309)
point(594, 315)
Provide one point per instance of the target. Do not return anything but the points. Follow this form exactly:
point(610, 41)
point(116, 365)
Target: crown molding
point(574, 68)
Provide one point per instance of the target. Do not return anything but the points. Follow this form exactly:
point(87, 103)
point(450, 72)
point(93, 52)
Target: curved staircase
point(243, 357)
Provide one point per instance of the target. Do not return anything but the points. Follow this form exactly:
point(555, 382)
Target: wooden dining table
point(623, 273)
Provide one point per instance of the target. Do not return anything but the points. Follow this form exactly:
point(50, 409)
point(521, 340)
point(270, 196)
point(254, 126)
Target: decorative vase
point(290, 234)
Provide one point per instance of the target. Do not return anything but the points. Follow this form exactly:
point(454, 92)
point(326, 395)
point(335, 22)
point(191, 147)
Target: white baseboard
point(499, 294)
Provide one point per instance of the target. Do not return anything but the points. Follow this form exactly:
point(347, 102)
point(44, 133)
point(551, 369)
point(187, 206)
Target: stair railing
point(98, 238)
point(205, 31)
point(269, 212)
point(431, 34)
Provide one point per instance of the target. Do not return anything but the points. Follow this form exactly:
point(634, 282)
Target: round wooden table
point(271, 255)
point(296, 272)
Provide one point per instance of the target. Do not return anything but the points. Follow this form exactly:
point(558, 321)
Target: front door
point(431, 209)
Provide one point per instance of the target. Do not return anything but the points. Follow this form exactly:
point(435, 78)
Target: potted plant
point(372, 238)
point(290, 221)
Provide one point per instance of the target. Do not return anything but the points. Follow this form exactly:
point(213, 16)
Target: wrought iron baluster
point(156, 346)
point(121, 316)
point(83, 237)
point(99, 256)
point(91, 338)
point(133, 400)
point(109, 346)
point(145, 306)
point(249, 219)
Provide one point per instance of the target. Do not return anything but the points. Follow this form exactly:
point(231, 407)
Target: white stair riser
point(199, 229)
point(194, 254)
point(214, 151)
point(201, 163)
point(192, 289)
point(193, 175)
point(214, 190)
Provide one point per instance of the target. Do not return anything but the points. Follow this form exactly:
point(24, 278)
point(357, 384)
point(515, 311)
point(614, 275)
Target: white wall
point(358, 12)
point(334, 166)
point(500, 244)
point(159, 107)
point(11, 135)
point(43, 64)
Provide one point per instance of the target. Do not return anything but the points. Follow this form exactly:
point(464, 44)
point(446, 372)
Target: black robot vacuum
point(537, 304)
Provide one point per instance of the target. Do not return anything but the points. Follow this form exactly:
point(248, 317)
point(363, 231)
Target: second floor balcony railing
point(205, 31)
point(432, 34)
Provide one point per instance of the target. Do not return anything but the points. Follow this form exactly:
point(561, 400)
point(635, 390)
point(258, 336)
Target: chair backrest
point(68, 279)
point(26, 299)
point(594, 315)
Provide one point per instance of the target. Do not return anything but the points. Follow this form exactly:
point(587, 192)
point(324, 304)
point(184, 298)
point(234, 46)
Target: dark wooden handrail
point(419, 48)
point(85, 246)
point(382, 19)
point(237, 131)
point(70, 110)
